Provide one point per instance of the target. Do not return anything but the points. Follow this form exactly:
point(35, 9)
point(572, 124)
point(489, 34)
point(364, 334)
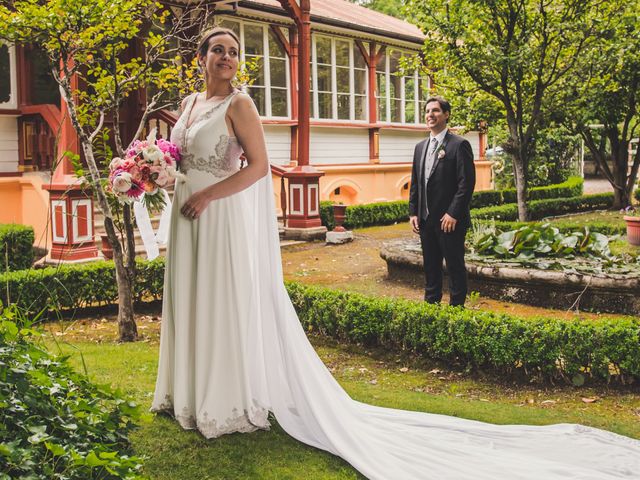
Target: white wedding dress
point(232, 350)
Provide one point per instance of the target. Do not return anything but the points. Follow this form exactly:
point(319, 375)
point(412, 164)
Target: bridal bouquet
point(148, 166)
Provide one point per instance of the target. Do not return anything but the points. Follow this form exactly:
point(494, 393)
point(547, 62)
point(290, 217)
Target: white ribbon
point(150, 239)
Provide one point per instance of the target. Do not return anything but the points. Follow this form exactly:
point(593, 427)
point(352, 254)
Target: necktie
point(428, 165)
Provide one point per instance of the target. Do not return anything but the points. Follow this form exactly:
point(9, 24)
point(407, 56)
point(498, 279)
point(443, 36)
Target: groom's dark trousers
point(448, 190)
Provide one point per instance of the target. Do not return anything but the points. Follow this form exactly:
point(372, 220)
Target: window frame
point(266, 61)
point(12, 104)
point(353, 50)
point(418, 120)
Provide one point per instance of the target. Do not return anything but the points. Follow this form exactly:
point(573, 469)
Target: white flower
point(173, 173)
point(153, 154)
point(115, 163)
point(122, 182)
point(441, 153)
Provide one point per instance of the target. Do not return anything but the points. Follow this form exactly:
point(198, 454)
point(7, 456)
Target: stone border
point(548, 288)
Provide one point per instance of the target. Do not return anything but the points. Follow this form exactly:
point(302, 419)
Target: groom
point(442, 182)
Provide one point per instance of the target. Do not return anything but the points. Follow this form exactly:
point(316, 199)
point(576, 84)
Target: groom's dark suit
point(449, 189)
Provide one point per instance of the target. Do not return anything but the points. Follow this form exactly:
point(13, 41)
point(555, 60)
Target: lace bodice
point(205, 145)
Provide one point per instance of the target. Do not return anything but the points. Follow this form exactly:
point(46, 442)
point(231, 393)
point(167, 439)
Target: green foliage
point(16, 247)
point(514, 55)
point(534, 241)
point(55, 423)
point(358, 216)
point(564, 227)
point(384, 213)
point(636, 194)
point(547, 208)
point(534, 348)
point(573, 187)
point(388, 7)
point(77, 286)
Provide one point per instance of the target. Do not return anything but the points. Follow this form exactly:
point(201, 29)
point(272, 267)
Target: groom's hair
point(203, 44)
point(443, 102)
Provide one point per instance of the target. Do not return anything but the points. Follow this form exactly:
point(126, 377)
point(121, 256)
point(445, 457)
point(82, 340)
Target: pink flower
point(117, 162)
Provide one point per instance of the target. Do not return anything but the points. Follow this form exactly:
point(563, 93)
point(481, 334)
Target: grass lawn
point(377, 377)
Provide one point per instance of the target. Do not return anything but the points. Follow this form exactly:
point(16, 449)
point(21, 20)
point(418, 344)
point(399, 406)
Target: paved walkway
point(597, 185)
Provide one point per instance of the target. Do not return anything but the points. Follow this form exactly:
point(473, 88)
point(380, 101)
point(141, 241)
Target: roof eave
point(337, 23)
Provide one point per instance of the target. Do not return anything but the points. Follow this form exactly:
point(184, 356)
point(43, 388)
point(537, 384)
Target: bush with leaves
point(533, 348)
point(16, 247)
point(55, 423)
point(552, 207)
point(385, 213)
point(53, 289)
point(533, 241)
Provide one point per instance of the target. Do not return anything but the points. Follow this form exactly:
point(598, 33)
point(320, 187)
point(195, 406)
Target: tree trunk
point(127, 329)
point(620, 160)
point(521, 189)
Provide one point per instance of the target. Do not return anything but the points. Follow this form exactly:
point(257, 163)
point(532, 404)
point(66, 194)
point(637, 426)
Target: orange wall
point(25, 202)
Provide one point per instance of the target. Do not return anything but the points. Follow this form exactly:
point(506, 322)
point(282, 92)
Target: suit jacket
point(451, 183)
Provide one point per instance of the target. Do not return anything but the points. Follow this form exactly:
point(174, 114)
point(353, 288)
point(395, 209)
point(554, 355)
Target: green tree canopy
point(510, 53)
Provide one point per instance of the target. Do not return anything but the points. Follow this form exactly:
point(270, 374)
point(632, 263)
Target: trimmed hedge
point(16, 247)
point(573, 187)
point(369, 214)
point(534, 348)
point(539, 209)
point(385, 213)
point(77, 286)
point(603, 349)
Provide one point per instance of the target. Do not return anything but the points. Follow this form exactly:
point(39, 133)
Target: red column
point(304, 179)
point(72, 225)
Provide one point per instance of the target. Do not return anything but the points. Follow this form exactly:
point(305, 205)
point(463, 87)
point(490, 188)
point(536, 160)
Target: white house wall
point(278, 139)
point(8, 144)
point(396, 146)
point(336, 146)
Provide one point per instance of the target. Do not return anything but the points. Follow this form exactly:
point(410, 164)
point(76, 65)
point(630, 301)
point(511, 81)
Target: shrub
point(358, 216)
point(77, 286)
point(55, 423)
point(385, 213)
point(636, 194)
point(16, 247)
point(552, 348)
point(573, 187)
point(540, 347)
point(539, 209)
point(565, 226)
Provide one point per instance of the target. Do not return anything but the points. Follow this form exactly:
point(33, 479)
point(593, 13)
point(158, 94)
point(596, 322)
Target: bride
point(232, 349)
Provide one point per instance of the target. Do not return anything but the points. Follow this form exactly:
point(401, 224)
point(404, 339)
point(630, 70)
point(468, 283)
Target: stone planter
point(633, 229)
point(339, 214)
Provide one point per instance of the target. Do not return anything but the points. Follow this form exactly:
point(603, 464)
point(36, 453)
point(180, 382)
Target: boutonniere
point(441, 153)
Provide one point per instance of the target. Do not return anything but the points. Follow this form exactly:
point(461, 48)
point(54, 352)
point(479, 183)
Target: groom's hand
point(448, 223)
point(415, 225)
point(196, 204)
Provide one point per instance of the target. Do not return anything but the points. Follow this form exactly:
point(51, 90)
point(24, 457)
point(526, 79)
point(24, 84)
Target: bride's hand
point(196, 204)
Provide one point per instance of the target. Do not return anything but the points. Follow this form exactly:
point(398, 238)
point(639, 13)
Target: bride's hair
point(203, 44)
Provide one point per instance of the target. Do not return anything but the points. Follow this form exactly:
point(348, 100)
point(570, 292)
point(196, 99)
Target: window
point(270, 87)
point(400, 98)
point(8, 97)
point(338, 80)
